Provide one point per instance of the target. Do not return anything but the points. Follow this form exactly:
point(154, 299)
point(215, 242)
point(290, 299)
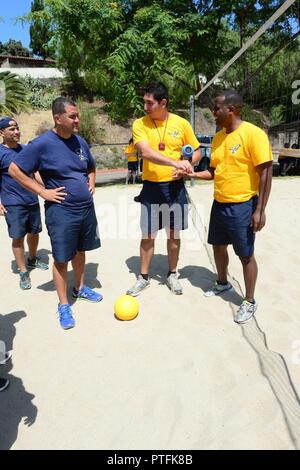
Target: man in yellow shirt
point(241, 166)
point(132, 161)
point(159, 137)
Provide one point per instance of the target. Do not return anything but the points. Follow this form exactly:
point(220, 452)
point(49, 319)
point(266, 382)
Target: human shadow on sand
point(15, 401)
point(90, 278)
point(158, 268)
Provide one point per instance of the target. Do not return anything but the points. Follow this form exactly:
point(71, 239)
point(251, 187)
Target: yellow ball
point(126, 307)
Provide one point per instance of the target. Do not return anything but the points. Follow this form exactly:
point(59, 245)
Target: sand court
point(182, 375)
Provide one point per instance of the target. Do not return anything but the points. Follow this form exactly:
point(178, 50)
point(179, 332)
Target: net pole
point(249, 43)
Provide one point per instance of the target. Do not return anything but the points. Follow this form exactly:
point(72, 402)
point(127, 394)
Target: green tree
point(114, 47)
point(14, 48)
point(40, 33)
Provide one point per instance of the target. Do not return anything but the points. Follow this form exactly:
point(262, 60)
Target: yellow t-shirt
point(174, 132)
point(234, 158)
point(130, 153)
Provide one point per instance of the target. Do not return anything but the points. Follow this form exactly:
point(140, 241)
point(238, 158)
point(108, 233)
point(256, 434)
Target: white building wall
point(35, 72)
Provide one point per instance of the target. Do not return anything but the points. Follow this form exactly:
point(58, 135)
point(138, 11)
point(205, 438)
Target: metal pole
point(192, 122)
point(249, 43)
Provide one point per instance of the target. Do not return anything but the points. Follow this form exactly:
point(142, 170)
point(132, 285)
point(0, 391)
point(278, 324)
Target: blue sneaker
point(65, 316)
point(85, 293)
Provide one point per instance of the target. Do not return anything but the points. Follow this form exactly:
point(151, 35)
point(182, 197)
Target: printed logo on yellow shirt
point(174, 133)
point(234, 148)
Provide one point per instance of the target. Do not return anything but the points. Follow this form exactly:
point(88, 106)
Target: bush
point(277, 114)
point(255, 117)
point(208, 115)
point(43, 127)
point(88, 127)
point(40, 94)
point(108, 157)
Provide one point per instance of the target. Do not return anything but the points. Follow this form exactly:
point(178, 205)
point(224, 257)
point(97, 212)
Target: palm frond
point(13, 94)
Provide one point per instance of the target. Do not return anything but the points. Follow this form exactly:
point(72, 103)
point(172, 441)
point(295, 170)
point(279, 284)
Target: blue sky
point(8, 11)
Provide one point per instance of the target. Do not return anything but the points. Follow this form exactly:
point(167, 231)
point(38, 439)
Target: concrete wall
point(35, 72)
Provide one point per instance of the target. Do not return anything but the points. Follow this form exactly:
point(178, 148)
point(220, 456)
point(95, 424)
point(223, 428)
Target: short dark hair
point(232, 97)
point(60, 103)
point(158, 90)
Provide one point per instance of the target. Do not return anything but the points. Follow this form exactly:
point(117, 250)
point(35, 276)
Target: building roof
point(30, 60)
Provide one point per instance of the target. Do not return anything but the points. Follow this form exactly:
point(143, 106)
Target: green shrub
point(88, 127)
point(255, 117)
point(40, 94)
point(43, 127)
point(208, 115)
point(277, 114)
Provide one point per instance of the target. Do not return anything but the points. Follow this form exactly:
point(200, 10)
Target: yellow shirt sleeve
point(260, 148)
point(139, 132)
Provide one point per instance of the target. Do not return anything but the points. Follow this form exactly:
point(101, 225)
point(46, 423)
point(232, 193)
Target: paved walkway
point(111, 176)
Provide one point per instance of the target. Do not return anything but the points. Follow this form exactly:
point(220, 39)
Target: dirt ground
point(113, 133)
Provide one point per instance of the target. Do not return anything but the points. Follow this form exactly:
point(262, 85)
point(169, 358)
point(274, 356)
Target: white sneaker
point(245, 312)
point(139, 286)
point(218, 289)
point(173, 284)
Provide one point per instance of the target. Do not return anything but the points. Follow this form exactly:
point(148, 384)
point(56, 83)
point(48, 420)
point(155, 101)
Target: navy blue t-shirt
point(60, 162)
point(12, 193)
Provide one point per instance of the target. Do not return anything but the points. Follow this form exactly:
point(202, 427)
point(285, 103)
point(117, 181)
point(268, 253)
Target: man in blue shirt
point(67, 169)
point(19, 206)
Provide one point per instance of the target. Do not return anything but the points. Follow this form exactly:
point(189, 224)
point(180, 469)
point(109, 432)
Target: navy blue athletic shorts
point(71, 230)
point(230, 224)
point(22, 220)
point(132, 166)
point(163, 205)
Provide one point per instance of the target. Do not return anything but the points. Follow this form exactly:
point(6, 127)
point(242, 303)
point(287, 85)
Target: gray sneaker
point(218, 289)
point(173, 284)
point(139, 285)
point(245, 312)
point(25, 282)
